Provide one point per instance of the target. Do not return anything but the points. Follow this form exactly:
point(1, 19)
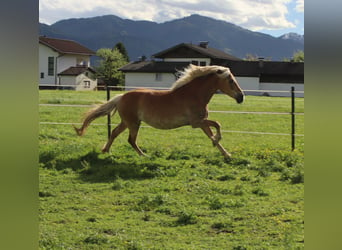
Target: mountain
point(147, 38)
point(293, 36)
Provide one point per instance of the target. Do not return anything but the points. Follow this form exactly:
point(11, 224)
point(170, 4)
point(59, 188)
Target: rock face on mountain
point(147, 38)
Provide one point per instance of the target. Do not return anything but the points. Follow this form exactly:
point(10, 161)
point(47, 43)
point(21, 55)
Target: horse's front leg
point(205, 126)
point(217, 137)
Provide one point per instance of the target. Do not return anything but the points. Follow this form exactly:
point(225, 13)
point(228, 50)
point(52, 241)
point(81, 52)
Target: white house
point(65, 62)
point(79, 78)
point(255, 77)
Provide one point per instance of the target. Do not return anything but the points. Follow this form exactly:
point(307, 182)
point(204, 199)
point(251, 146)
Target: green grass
point(185, 195)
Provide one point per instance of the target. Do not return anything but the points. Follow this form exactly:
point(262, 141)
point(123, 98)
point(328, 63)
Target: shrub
point(226, 177)
point(260, 192)
point(186, 218)
point(215, 203)
point(238, 190)
point(147, 203)
point(96, 239)
point(223, 227)
point(297, 178)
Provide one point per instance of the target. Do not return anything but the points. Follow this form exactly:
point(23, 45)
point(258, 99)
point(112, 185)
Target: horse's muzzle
point(239, 98)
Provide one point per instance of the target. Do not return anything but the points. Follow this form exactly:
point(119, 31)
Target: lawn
point(185, 195)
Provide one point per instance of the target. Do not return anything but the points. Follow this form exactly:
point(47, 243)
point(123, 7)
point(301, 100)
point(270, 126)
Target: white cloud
point(250, 14)
point(300, 5)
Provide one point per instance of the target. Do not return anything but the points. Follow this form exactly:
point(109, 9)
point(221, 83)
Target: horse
point(185, 103)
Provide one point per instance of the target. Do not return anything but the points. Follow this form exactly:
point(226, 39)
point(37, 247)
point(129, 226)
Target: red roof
point(65, 46)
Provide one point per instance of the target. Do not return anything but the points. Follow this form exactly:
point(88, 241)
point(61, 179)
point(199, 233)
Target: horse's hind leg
point(118, 130)
point(132, 138)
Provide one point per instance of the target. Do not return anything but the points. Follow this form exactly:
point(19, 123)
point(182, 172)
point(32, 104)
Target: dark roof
point(191, 50)
point(255, 68)
point(268, 71)
point(77, 70)
point(154, 66)
point(65, 46)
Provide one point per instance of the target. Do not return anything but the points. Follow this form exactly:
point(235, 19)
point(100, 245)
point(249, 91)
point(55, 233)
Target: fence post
point(108, 116)
point(293, 128)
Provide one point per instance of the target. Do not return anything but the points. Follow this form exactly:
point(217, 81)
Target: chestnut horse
point(185, 103)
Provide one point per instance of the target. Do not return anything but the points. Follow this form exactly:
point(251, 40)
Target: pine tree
point(121, 47)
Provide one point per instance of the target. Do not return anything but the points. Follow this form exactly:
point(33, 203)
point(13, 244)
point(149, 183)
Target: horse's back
point(160, 109)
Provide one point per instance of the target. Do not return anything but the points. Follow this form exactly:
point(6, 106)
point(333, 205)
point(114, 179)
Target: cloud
point(250, 14)
point(300, 6)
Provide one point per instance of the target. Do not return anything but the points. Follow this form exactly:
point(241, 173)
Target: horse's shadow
point(96, 167)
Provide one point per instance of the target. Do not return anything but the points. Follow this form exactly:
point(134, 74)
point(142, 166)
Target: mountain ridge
point(147, 37)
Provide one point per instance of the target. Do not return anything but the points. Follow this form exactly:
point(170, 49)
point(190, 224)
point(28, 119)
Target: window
point(159, 77)
point(194, 62)
point(51, 65)
point(41, 75)
point(203, 63)
point(87, 84)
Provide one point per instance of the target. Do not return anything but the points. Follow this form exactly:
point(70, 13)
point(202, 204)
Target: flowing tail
point(101, 110)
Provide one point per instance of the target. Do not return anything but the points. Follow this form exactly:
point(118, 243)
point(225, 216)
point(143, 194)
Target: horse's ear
point(219, 71)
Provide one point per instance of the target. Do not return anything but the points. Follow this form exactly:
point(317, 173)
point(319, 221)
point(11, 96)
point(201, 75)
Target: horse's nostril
point(240, 98)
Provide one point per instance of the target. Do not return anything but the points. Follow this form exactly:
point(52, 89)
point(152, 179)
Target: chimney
point(142, 58)
point(204, 44)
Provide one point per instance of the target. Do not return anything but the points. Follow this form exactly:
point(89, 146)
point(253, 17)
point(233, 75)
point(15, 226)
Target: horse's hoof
point(104, 150)
point(144, 155)
point(227, 159)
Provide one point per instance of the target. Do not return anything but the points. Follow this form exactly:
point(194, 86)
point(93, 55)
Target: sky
point(273, 17)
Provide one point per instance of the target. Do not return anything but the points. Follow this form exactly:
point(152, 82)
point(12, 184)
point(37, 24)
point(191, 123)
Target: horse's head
point(228, 84)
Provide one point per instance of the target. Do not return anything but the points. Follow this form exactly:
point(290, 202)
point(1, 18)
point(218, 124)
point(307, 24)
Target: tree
point(122, 50)
point(251, 57)
point(109, 66)
point(298, 56)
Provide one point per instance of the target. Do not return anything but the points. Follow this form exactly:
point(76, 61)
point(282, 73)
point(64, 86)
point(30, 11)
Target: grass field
point(185, 195)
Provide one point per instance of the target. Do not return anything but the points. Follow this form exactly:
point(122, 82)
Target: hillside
point(147, 38)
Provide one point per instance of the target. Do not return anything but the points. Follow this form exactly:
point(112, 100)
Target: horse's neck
point(201, 88)
point(206, 87)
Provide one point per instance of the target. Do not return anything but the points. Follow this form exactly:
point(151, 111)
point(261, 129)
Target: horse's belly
point(166, 123)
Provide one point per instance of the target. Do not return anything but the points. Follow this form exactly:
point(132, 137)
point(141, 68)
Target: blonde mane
point(192, 71)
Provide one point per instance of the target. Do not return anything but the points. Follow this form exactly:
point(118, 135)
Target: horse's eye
point(219, 71)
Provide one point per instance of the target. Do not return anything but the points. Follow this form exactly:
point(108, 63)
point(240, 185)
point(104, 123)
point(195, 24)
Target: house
point(255, 77)
point(65, 64)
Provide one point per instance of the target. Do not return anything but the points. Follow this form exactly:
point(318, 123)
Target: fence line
point(123, 88)
point(68, 105)
point(223, 131)
point(292, 113)
point(165, 88)
point(210, 111)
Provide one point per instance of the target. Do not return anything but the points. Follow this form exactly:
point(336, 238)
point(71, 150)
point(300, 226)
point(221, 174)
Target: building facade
point(60, 60)
point(255, 77)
